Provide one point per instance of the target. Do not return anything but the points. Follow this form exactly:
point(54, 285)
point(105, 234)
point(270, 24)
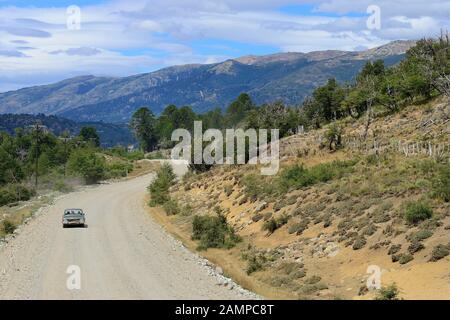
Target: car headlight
point(65, 221)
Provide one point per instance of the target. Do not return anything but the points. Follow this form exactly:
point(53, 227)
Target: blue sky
point(122, 37)
point(47, 3)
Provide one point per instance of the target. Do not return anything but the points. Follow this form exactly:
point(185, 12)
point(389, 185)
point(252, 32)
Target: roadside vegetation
point(34, 161)
point(159, 188)
point(342, 194)
point(35, 155)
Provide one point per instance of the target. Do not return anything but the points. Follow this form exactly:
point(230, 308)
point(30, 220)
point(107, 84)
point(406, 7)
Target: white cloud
point(82, 51)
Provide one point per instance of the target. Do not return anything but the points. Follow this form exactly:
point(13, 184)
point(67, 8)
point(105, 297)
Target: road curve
point(122, 254)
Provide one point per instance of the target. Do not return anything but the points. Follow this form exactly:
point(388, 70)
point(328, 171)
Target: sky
point(46, 41)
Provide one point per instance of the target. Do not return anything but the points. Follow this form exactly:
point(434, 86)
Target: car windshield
point(67, 212)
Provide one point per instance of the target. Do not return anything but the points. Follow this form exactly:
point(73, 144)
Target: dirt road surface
point(122, 254)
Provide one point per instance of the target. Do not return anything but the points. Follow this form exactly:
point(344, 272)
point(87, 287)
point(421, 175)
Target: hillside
point(312, 231)
point(110, 134)
point(287, 76)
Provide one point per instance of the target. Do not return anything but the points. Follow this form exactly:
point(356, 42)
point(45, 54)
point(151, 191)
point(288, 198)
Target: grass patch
point(294, 177)
point(439, 176)
point(298, 176)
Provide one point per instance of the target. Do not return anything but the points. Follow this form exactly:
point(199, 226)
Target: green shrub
point(298, 274)
point(324, 172)
point(296, 176)
point(279, 205)
point(15, 192)
point(420, 235)
point(159, 188)
point(369, 230)
point(359, 243)
point(417, 211)
point(405, 258)
point(439, 252)
point(273, 224)
point(415, 246)
point(281, 281)
point(171, 207)
point(394, 249)
point(118, 169)
point(61, 186)
point(213, 232)
point(311, 288)
point(8, 226)
point(257, 217)
point(388, 293)
point(294, 228)
point(313, 279)
point(270, 225)
point(255, 263)
point(88, 164)
point(289, 267)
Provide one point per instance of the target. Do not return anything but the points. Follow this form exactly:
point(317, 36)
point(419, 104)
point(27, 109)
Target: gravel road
point(122, 254)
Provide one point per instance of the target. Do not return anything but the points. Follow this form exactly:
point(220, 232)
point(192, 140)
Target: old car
point(74, 217)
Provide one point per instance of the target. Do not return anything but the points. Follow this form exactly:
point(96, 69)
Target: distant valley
point(110, 134)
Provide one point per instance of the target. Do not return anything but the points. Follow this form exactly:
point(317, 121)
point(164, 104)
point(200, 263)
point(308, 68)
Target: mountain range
point(289, 77)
